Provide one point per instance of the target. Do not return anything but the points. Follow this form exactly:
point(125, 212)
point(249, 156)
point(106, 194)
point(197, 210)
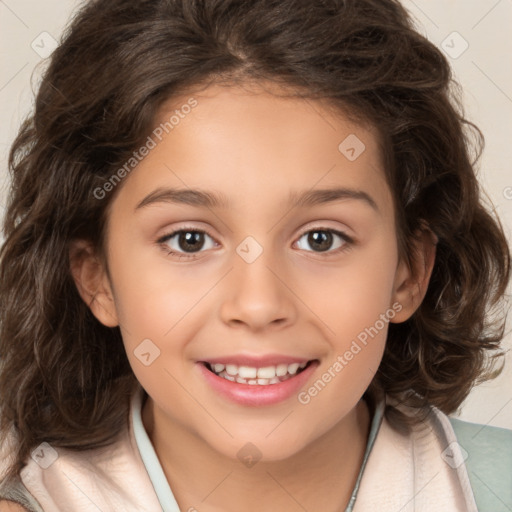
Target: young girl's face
point(265, 276)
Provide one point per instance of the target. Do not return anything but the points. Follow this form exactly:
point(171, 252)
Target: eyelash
point(349, 241)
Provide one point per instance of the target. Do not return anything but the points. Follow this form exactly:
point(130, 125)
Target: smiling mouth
point(265, 376)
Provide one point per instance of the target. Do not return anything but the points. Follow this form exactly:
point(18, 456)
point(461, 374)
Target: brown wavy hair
point(64, 377)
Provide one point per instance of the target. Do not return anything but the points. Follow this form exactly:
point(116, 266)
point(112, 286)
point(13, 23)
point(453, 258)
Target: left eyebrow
point(322, 196)
point(208, 199)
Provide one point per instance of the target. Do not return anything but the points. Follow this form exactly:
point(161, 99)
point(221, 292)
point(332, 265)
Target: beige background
point(483, 68)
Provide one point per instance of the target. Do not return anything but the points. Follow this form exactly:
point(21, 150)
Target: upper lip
point(260, 361)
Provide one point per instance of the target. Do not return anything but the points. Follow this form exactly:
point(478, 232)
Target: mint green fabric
point(489, 463)
point(378, 416)
point(150, 459)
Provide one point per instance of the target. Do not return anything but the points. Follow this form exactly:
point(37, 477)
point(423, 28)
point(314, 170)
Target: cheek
point(151, 292)
point(140, 294)
point(356, 306)
point(161, 306)
point(357, 310)
point(352, 295)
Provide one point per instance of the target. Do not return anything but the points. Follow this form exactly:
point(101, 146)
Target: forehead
point(262, 107)
point(245, 141)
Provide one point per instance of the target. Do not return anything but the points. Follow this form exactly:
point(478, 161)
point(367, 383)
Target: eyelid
point(349, 240)
point(173, 232)
point(322, 227)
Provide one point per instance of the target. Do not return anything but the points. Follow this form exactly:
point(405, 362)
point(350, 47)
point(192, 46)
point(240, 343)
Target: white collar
point(404, 472)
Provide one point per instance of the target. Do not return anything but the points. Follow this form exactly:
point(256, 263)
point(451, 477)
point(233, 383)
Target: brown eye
point(321, 240)
point(183, 241)
point(190, 241)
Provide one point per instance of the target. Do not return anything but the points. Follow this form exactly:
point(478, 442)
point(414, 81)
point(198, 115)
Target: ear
point(92, 282)
point(411, 281)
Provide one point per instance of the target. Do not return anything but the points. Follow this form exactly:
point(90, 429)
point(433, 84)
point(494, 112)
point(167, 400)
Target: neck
point(319, 477)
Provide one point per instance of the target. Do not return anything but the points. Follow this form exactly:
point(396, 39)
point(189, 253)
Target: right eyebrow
point(192, 197)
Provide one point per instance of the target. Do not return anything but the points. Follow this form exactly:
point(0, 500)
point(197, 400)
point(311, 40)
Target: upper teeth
point(267, 372)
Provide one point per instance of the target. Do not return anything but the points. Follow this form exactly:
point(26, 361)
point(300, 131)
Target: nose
point(258, 295)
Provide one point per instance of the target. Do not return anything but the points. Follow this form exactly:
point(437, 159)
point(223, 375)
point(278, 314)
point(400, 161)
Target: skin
point(10, 506)
point(254, 148)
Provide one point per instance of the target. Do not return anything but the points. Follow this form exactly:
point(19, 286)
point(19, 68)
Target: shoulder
point(487, 454)
point(10, 506)
point(478, 456)
point(480, 436)
point(489, 447)
point(10, 488)
point(15, 497)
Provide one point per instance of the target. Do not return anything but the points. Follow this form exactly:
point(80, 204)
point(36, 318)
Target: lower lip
point(254, 394)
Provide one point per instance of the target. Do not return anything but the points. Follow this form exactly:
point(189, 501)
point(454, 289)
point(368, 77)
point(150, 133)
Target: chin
point(258, 448)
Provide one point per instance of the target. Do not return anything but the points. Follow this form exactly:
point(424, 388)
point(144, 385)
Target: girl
point(304, 355)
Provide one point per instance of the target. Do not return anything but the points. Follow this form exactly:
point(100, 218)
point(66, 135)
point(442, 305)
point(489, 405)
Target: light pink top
point(416, 472)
